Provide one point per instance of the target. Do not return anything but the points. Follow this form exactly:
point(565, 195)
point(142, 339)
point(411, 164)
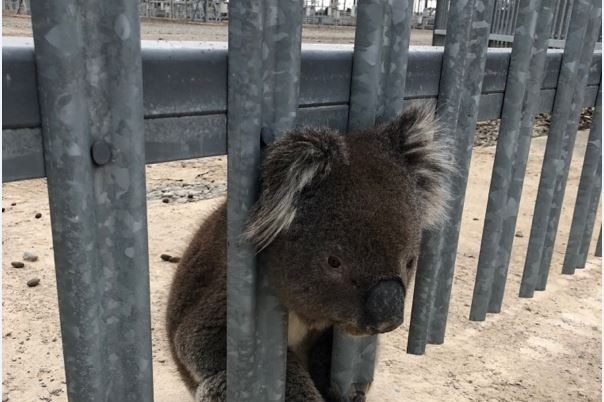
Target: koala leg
point(299, 385)
point(200, 348)
point(212, 389)
point(320, 363)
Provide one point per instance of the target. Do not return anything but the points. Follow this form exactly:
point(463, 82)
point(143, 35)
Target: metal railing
point(17, 6)
point(90, 120)
point(504, 22)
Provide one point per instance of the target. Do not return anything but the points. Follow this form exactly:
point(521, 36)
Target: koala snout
point(384, 306)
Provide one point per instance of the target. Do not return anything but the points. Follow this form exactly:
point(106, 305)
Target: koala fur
point(338, 226)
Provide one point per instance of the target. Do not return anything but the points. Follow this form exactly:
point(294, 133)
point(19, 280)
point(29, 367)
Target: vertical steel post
point(393, 63)
point(348, 372)
point(567, 86)
point(281, 64)
point(565, 23)
point(243, 129)
point(461, 145)
point(440, 21)
point(593, 157)
point(568, 142)
point(515, 19)
point(264, 71)
point(453, 72)
point(508, 228)
point(514, 104)
point(440, 15)
point(365, 86)
point(502, 17)
point(377, 89)
point(557, 12)
point(507, 17)
point(90, 91)
point(352, 363)
point(591, 217)
point(496, 16)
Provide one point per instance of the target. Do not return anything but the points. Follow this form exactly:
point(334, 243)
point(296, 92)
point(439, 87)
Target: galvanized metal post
point(593, 158)
point(90, 92)
point(598, 252)
point(508, 228)
point(515, 19)
point(591, 217)
point(565, 22)
point(264, 73)
point(556, 16)
point(377, 89)
point(462, 147)
point(352, 363)
point(365, 85)
point(496, 22)
point(508, 17)
point(453, 72)
point(440, 14)
point(568, 144)
point(440, 21)
point(567, 86)
point(393, 62)
point(281, 64)
point(514, 105)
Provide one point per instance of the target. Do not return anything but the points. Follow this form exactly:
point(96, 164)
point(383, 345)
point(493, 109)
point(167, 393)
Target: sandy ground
point(158, 29)
point(542, 349)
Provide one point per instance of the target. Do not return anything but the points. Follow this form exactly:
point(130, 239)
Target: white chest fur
point(297, 331)
point(301, 337)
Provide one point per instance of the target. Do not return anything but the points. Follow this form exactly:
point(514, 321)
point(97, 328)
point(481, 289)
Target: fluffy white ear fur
point(415, 135)
point(292, 163)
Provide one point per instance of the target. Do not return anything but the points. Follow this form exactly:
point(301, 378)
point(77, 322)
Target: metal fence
point(193, 10)
point(504, 20)
point(89, 117)
point(17, 6)
point(505, 16)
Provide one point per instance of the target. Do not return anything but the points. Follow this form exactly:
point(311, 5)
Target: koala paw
point(357, 396)
point(212, 388)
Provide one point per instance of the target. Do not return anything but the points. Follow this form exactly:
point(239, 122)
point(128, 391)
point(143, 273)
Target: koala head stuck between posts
point(339, 219)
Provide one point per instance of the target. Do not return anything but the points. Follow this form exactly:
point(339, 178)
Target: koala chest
point(301, 338)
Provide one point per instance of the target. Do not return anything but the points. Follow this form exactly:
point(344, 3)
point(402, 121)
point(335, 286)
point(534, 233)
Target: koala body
point(338, 227)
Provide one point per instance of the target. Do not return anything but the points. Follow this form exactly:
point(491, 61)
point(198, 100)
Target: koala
point(338, 226)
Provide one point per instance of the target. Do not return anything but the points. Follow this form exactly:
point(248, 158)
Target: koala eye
point(333, 262)
point(410, 262)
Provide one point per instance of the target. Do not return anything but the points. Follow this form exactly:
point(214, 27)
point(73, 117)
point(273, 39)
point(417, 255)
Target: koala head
point(340, 217)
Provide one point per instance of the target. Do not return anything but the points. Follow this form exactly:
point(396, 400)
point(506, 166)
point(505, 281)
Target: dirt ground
point(159, 29)
point(542, 349)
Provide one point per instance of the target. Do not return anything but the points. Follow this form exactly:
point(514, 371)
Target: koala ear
point(414, 136)
point(296, 161)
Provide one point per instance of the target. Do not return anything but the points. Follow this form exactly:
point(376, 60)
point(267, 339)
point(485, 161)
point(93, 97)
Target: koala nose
point(384, 305)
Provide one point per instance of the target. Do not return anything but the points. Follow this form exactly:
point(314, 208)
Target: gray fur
point(338, 216)
point(428, 159)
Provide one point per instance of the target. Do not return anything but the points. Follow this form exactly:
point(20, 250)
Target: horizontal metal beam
point(184, 96)
point(189, 78)
point(555, 43)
